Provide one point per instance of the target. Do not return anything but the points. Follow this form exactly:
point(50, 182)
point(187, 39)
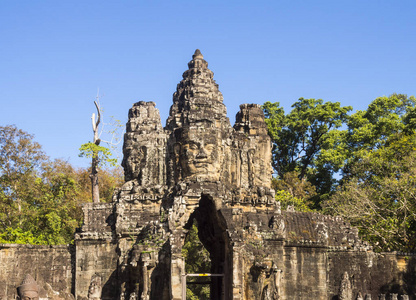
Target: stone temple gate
point(199, 167)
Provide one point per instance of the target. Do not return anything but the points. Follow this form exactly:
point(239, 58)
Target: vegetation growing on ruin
point(360, 166)
point(100, 156)
point(197, 260)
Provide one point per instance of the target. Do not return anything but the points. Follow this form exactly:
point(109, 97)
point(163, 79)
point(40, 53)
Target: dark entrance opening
point(205, 247)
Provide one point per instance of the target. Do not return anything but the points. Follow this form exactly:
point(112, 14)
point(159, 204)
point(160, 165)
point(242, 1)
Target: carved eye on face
point(193, 146)
point(209, 147)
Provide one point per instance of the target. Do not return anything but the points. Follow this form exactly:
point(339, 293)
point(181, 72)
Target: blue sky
point(55, 54)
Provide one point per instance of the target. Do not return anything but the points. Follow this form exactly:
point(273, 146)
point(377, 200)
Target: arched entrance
point(210, 268)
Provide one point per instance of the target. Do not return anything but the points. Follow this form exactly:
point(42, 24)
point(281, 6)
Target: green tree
point(372, 153)
point(100, 156)
point(20, 161)
point(307, 141)
point(380, 197)
point(197, 260)
point(110, 179)
point(38, 198)
point(54, 210)
point(371, 129)
point(290, 190)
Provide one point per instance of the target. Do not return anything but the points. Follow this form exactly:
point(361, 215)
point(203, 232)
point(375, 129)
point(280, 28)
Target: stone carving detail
point(273, 292)
point(345, 291)
point(144, 144)
point(95, 289)
point(360, 296)
point(322, 231)
point(199, 153)
point(198, 144)
point(201, 170)
point(277, 222)
point(29, 289)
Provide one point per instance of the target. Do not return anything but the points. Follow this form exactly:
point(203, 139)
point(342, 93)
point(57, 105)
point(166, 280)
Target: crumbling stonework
point(194, 167)
point(50, 266)
point(199, 167)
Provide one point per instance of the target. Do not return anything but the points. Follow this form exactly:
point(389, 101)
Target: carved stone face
point(133, 162)
point(200, 154)
point(28, 290)
point(94, 291)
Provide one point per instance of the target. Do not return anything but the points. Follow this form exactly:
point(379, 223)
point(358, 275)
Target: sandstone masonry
point(200, 167)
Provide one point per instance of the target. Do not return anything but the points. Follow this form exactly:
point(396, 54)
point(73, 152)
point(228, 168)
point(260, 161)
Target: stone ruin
point(200, 168)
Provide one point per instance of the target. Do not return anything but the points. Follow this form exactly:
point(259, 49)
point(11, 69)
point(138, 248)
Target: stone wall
point(96, 257)
point(300, 272)
point(201, 169)
point(50, 266)
point(372, 274)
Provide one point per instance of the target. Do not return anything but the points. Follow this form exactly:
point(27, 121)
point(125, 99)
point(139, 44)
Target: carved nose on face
point(202, 153)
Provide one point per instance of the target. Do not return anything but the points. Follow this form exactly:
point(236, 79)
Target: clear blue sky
point(55, 54)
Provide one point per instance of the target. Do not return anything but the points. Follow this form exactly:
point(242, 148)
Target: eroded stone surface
point(199, 167)
point(28, 289)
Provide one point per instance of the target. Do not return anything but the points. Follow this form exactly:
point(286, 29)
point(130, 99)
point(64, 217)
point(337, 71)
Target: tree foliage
point(380, 197)
point(40, 199)
point(20, 161)
point(197, 260)
point(100, 156)
point(361, 166)
point(372, 129)
point(103, 154)
point(293, 191)
point(307, 141)
point(110, 179)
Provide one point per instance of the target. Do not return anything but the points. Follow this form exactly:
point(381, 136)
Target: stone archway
point(212, 235)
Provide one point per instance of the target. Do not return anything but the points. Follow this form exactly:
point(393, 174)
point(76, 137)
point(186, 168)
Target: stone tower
point(200, 168)
point(193, 168)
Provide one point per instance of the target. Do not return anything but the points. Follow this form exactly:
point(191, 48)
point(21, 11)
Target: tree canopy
point(379, 195)
point(307, 141)
point(40, 199)
point(360, 166)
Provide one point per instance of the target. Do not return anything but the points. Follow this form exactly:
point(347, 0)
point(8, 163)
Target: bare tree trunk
point(95, 191)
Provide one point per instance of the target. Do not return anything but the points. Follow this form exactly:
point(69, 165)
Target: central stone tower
point(192, 169)
point(199, 167)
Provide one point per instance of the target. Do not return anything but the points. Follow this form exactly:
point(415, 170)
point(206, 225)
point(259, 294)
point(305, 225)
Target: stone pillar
point(177, 266)
point(237, 273)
